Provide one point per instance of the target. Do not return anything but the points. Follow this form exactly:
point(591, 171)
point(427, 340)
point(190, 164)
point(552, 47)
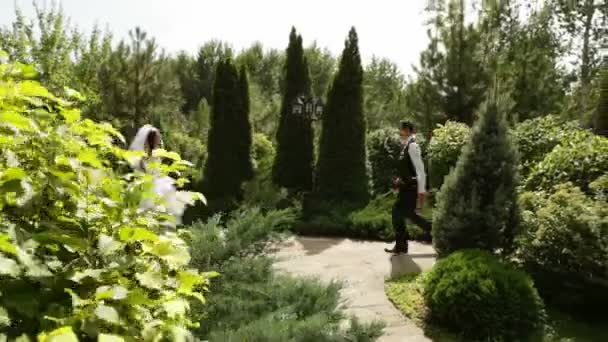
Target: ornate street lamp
point(307, 107)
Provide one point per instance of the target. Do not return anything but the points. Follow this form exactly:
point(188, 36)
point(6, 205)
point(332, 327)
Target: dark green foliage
point(581, 159)
point(383, 150)
point(293, 168)
point(341, 166)
point(244, 128)
point(444, 149)
point(477, 204)
point(536, 137)
point(472, 293)
point(252, 302)
point(564, 245)
point(229, 143)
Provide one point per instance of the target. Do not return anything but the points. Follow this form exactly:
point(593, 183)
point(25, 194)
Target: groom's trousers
point(405, 208)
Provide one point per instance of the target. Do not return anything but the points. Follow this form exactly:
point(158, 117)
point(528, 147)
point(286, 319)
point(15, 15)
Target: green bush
point(79, 258)
point(253, 303)
point(564, 245)
point(383, 149)
point(537, 137)
point(261, 191)
point(472, 293)
point(444, 149)
point(580, 159)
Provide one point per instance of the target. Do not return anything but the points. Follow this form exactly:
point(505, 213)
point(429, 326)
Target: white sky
point(387, 28)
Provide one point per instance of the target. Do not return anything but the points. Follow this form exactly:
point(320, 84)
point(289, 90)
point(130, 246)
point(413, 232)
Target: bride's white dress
point(173, 201)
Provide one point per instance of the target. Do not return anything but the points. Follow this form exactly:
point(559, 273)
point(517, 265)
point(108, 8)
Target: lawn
point(406, 293)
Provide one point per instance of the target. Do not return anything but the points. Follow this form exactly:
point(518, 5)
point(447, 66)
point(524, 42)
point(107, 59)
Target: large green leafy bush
point(537, 137)
point(444, 149)
point(580, 159)
point(564, 245)
point(79, 258)
point(472, 293)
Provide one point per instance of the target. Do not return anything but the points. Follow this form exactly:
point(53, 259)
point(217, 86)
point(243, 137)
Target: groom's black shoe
point(396, 250)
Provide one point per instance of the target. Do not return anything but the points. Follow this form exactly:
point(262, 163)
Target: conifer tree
point(244, 124)
point(341, 168)
point(229, 140)
point(293, 167)
point(477, 204)
point(601, 115)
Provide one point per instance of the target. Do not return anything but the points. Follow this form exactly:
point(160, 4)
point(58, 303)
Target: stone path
point(362, 266)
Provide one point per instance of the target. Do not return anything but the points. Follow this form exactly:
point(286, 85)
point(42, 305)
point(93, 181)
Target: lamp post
point(307, 107)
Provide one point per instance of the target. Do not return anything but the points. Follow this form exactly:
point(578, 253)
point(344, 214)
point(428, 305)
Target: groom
point(410, 182)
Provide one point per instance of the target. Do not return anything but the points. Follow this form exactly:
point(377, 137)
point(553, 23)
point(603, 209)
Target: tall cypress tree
point(477, 204)
point(341, 168)
point(245, 131)
point(229, 140)
point(293, 166)
point(601, 116)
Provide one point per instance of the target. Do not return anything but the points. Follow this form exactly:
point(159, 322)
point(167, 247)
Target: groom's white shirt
point(416, 157)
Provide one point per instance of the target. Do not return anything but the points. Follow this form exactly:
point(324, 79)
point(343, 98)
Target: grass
point(406, 293)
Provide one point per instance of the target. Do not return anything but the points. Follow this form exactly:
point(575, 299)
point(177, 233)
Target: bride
point(174, 202)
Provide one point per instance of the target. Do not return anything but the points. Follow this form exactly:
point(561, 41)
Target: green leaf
point(107, 313)
point(109, 338)
point(64, 334)
point(59, 236)
point(107, 292)
point(13, 173)
point(16, 120)
point(34, 89)
point(176, 308)
point(70, 115)
point(138, 296)
point(160, 153)
point(6, 246)
point(89, 157)
point(151, 280)
point(137, 234)
point(187, 281)
point(91, 273)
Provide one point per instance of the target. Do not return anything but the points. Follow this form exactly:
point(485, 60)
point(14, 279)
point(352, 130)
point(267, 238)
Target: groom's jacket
point(410, 168)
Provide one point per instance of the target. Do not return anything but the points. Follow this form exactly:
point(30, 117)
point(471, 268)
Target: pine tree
point(477, 203)
point(229, 141)
point(341, 168)
point(293, 167)
point(601, 115)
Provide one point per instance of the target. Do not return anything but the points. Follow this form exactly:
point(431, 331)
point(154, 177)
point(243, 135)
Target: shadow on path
point(403, 264)
point(314, 246)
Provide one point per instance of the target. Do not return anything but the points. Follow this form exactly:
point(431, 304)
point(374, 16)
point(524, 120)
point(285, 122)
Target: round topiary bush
point(444, 149)
point(472, 293)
